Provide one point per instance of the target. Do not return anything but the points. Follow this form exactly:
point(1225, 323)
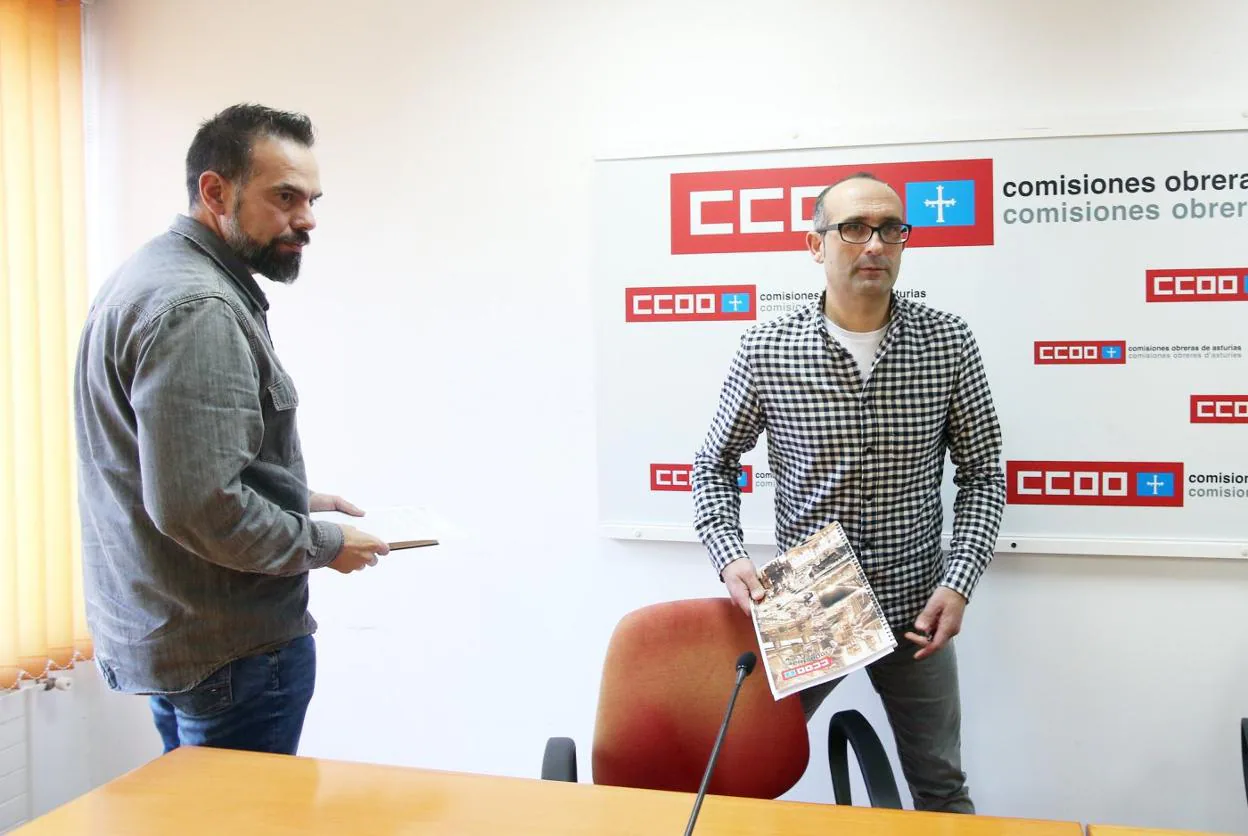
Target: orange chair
point(667, 678)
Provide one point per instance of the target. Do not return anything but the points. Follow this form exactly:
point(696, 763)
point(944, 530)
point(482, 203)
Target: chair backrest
point(1243, 750)
point(849, 729)
point(667, 678)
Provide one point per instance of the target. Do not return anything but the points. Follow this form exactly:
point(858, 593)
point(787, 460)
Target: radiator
point(14, 759)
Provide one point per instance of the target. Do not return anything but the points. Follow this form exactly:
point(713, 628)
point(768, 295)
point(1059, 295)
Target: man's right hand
point(358, 550)
point(741, 578)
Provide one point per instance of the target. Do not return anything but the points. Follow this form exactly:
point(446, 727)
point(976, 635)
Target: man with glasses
point(861, 394)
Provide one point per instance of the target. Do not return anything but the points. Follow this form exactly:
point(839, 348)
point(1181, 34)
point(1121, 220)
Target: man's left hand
point(941, 620)
point(332, 502)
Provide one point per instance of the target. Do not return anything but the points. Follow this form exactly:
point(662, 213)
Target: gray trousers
point(924, 709)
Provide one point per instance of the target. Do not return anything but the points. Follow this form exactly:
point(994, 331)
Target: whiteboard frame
point(1098, 546)
point(1143, 122)
point(879, 134)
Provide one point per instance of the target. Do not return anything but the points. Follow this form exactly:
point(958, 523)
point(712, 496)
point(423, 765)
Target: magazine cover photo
point(820, 619)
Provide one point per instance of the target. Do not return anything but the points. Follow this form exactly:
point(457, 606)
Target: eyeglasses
point(856, 232)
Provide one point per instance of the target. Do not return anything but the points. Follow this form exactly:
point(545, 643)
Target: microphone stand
point(742, 672)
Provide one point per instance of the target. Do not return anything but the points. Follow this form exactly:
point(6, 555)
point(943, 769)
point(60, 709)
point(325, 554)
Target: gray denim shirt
point(194, 500)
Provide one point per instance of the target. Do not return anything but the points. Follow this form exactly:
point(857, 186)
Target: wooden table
point(212, 792)
point(1122, 830)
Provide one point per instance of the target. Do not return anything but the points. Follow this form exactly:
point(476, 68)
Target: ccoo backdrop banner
point(1105, 278)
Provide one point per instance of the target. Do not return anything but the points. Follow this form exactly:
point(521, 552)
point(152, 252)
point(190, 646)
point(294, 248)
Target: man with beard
point(861, 395)
point(197, 541)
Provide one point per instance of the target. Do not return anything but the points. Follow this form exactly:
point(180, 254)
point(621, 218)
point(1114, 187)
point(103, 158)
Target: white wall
point(442, 344)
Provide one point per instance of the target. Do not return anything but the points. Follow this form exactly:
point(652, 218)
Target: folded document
point(399, 527)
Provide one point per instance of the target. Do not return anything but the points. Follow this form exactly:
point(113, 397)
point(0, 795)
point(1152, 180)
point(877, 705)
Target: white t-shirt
point(861, 345)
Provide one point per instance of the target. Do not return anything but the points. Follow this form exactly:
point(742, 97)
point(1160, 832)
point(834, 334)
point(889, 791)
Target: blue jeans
point(256, 703)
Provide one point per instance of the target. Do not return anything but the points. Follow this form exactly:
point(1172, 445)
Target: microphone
point(745, 666)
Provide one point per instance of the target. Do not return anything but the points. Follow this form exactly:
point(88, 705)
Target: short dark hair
point(819, 218)
point(224, 143)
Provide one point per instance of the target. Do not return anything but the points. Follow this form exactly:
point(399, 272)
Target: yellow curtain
point(42, 304)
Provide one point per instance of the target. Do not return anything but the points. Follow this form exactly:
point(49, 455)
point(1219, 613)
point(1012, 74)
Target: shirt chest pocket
point(281, 437)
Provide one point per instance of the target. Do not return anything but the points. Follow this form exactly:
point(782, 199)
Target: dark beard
point(267, 259)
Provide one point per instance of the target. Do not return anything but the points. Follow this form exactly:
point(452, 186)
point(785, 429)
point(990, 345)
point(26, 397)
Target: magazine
point(820, 619)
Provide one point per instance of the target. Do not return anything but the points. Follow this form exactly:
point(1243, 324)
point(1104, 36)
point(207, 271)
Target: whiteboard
point(1104, 277)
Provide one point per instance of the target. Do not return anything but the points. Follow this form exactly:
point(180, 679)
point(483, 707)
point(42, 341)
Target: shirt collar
point(216, 249)
point(899, 312)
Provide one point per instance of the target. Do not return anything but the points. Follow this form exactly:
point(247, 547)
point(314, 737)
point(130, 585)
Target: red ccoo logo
point(1220, 409)
point(1148, 484)
point(671, 477)
point(948, 202)
point(679, 477)
point(690, 304)
point(1080, 352)
point(1208, 284)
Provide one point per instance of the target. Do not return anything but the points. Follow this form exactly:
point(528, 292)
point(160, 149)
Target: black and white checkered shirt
point(869, 456)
